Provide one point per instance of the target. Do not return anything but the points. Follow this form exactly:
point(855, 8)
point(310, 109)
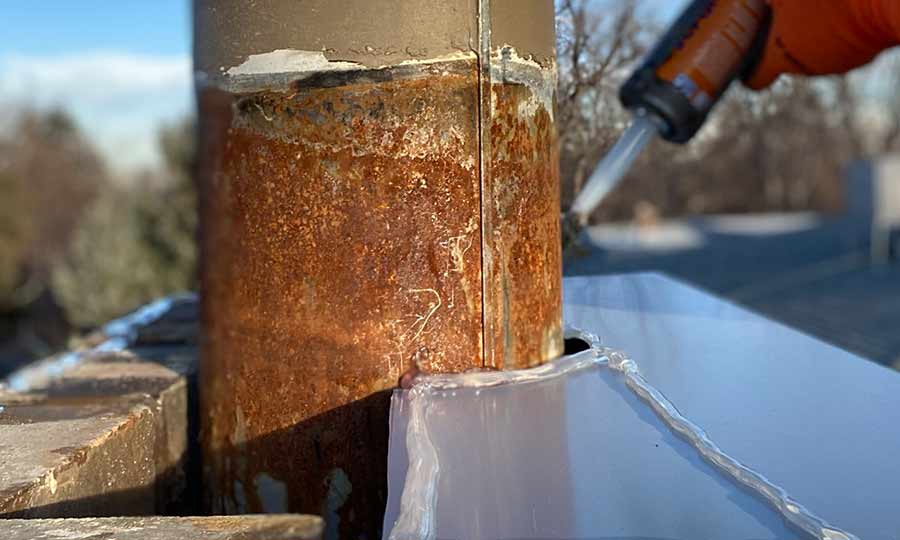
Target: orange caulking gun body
point(712, 43)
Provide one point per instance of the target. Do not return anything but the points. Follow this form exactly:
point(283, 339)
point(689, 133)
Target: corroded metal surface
point(520, 190)
point(358, 223)
point(341, 237)
point(343, 226)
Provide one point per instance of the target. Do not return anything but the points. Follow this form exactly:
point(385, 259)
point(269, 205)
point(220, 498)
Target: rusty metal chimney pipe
point(379, 190)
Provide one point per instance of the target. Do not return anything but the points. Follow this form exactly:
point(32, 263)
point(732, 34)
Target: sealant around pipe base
point(502, 455)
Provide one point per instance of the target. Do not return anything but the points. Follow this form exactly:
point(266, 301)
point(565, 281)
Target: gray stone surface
point(103, 430)
point(108, 437)
point(272, 527)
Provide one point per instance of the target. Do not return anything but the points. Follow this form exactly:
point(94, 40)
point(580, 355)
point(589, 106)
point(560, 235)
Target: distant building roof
point(810, 271)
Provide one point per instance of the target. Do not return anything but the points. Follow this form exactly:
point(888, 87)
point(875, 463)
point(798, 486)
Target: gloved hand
point(821, 37)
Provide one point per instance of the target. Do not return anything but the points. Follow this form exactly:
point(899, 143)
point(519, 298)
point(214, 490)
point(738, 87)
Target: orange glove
point(821, 37)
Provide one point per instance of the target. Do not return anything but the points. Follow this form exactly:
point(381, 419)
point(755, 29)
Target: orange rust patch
point(341, 243)
point(341, 236)
point(523, 284)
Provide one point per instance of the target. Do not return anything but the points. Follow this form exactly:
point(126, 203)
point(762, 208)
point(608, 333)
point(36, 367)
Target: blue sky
point(122, 68)
point(159, 27)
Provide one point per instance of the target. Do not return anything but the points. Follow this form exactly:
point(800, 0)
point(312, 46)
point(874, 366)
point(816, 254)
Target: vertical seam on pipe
point(484, 118)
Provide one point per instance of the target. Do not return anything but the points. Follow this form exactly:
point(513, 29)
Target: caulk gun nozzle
point(615, 164)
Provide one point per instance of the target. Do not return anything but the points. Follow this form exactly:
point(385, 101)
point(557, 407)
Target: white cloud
point(118, 99)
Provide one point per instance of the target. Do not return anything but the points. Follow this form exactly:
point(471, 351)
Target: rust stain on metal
point(523, 273)
point(343, 229)
point(525, 286)
point(341, 236)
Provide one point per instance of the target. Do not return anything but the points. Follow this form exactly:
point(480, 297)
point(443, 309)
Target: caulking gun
point(712, 43)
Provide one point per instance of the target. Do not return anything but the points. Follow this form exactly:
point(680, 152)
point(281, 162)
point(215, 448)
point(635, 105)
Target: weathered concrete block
point(273, 527)
point(103, 430)
point(106, 437)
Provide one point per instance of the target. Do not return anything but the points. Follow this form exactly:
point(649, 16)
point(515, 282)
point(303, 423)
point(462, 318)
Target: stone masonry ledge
point(102, 430)
point(270, 527)
point(108, 437)
point(105, 430)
